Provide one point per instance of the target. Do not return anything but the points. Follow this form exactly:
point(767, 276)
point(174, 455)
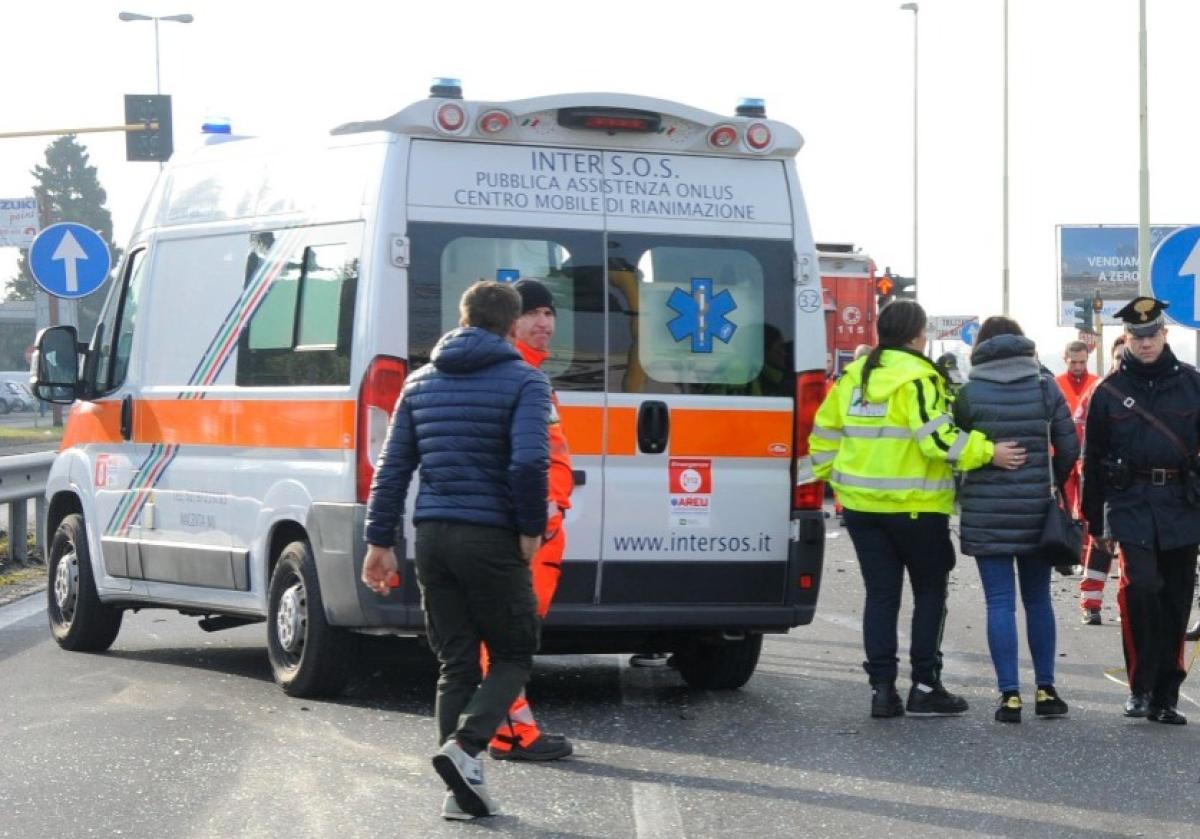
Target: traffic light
point(884, 290)
point(149, 144)
point(1084, 315)
point(891, 287)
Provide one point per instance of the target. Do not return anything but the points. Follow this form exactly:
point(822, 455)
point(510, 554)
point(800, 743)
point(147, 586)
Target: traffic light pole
point(141, 126)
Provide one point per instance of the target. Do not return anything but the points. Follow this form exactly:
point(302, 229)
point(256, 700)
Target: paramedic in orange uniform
point(1076, 383)
point(519, 737)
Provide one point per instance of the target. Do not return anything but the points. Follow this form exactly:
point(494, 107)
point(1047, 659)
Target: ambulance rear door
point(481, 211)
point(700, 390)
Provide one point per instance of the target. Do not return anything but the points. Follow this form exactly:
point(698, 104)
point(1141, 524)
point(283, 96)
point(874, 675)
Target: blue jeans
point(996, 573)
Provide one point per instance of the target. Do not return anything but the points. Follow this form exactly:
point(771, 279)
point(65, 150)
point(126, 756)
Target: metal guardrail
point(23, 476)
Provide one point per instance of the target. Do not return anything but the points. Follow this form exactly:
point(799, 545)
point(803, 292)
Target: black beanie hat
point(534, 295)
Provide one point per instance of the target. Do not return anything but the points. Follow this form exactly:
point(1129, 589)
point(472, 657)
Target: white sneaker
point(451, 810)
point(463, 774)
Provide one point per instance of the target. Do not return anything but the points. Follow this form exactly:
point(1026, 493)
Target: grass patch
point(12, 576)
point(30, 550)
point(11, 436)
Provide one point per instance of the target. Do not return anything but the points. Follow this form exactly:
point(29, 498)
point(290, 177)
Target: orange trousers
point(520, 728)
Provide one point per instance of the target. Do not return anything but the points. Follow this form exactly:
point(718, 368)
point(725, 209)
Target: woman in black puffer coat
point(1009, 396)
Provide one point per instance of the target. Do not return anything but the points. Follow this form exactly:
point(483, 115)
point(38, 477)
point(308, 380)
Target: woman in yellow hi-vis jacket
point(886, 440)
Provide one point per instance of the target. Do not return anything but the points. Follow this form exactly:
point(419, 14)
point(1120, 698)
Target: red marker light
point(451, 117)
point(722, 137)
point(393, 580)
point(494, 122)
point(758, 136)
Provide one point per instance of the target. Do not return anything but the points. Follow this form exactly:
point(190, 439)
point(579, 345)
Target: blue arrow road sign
point(1174, 274)
point(69, 260)
point(968, 332)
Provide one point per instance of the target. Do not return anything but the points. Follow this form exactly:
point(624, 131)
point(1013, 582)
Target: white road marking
point(655, 810)
point(1117, 674)
point(22, 609)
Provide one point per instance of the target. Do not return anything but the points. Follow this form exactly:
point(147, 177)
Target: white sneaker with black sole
point(451, 810)
point(463, 774)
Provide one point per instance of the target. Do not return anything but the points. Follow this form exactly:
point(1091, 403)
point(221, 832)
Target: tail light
point(758, 136)
point(376, 400)
point(810, 393)
point(450, 117)
point(722, 137)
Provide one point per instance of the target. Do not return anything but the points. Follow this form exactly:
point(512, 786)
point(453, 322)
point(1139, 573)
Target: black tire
point(4, 409)
point(726, 665)
point(78, 620)
point(309, 657)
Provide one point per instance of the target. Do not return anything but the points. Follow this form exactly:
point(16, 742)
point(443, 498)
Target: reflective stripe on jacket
point(895, 450)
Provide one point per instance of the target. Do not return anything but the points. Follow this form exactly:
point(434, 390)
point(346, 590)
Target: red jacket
point(562, 480)
point(1077, 392)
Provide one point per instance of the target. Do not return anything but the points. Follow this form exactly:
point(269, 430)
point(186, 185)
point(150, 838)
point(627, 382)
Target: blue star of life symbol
point(701, 315)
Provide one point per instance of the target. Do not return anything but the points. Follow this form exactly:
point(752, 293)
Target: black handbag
point(1062, 535)
point(1061, 542)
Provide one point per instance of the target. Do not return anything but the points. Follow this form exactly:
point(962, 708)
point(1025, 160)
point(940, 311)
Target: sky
point(840, 71)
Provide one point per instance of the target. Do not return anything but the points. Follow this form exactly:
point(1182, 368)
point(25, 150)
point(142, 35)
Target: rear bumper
point(625, 596)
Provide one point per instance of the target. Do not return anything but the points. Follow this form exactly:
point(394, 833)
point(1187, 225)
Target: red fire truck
point(848, 283)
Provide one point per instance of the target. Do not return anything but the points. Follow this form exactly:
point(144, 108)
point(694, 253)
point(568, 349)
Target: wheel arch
point(282, 534)
point(62, 504)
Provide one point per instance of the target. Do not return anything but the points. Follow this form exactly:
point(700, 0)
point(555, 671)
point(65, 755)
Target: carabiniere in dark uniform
point(1141, 489)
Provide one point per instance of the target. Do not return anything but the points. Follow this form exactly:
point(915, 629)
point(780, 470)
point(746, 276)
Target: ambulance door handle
point(654, 426)
point(127, 417)
point(579, 476)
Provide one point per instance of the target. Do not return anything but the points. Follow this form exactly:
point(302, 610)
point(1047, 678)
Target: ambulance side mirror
point(55, 365)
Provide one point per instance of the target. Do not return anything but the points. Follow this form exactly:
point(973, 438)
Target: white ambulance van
point(230, 406)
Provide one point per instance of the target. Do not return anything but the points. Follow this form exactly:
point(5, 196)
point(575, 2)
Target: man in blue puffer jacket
point(475, 420)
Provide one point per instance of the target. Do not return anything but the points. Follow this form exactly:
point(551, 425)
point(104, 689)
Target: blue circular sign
point(969, 331)
point(69, 260)
point(1174, 273)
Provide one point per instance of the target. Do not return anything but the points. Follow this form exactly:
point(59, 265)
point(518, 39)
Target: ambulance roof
point(540, 121)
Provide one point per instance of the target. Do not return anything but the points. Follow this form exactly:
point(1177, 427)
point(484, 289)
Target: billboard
point(1100, 258)
point(18, 222)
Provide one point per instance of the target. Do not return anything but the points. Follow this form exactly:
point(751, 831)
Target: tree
point(68, 189)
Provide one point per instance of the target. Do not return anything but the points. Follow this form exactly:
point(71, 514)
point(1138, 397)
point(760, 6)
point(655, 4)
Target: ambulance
point(229, 409)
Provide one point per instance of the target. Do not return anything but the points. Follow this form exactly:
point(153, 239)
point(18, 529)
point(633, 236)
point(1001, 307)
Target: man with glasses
point(1140, 494)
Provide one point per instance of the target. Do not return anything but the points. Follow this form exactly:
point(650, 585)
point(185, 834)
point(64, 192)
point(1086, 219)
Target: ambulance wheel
point(308, 656)
point(78, 620)
point(722, 666)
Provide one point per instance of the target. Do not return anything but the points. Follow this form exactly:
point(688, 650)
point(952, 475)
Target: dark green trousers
point(475, 587)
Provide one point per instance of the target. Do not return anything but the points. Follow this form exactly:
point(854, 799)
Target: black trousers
point(888, 544)
point(1155, 598)
point(475, 587)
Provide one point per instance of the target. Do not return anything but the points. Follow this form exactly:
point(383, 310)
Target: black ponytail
point(899, 322)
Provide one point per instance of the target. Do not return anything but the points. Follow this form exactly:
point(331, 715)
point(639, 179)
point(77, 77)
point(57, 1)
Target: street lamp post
point(128, 16)
point(913, 7)
point(1004, 270)
point(1144, 163)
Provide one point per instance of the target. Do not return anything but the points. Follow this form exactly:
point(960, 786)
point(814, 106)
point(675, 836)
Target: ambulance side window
point(113, 340)
point(300, 332)
point(700, 315)
point(447, 259)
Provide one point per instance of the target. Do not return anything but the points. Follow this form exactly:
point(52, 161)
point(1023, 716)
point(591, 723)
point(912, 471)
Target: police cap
point(1143, 316)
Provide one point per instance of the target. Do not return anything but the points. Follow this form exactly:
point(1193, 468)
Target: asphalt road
point(178, 733)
